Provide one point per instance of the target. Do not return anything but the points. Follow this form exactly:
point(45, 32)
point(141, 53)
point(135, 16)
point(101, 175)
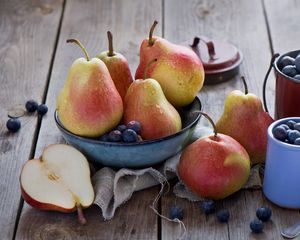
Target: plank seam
point(268, 26)
point(39, 123)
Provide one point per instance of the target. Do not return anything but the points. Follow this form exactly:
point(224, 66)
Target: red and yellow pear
point(145, 102)
point(215, 166)
point(89, 104)
point(117, 66)
point(245, 120)
point(178, 69)
point(59, 181)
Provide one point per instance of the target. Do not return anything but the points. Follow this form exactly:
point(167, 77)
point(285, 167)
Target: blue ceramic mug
point(282, 170)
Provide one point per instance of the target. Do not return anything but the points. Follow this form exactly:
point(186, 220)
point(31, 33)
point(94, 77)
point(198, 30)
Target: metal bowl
point(139, 154)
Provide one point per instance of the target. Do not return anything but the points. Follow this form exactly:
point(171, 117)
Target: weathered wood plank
point(239, 22)
point(129, 21)
point(28, 31)
point(283, 18)
point(243, 24)
point(133, 220)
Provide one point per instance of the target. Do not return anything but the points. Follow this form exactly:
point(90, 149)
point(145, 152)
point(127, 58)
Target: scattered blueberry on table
point(208, 206)
point(13, 124)
point(256, 226)
point(263, 213)
point(223, 215)
point(42, 109)
point(176, 212)
point(31, 106)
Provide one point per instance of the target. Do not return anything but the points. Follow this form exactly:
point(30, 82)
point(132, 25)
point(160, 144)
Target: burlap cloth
point(114, 188)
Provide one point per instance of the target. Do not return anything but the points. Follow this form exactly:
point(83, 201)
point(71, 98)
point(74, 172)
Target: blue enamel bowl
point(139, 154)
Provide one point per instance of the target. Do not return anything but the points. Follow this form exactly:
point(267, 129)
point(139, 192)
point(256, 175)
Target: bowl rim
point(144, 142)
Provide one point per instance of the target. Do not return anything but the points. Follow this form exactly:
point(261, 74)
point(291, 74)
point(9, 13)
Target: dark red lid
point(220, 58)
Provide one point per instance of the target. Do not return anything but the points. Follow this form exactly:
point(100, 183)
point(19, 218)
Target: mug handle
point(276, 55)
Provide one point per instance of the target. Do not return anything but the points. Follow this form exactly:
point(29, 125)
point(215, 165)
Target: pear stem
point(210, 120)
point(150, 41)
point(110, 44)
point(81, 46)
point(147, 67)
point(80, 215)
point(245, 84)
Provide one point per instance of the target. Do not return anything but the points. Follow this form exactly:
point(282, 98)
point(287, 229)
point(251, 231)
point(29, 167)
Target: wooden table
point(34, 60)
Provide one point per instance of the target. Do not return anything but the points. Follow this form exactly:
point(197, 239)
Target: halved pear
point(59, 180)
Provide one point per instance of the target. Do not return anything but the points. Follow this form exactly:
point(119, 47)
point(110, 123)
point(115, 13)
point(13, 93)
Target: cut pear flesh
point(59, 178)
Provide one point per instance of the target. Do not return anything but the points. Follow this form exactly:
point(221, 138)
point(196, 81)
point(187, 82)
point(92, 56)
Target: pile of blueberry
point(288, 132)
point(290, 66)
point(13, 124)
point(124, 133)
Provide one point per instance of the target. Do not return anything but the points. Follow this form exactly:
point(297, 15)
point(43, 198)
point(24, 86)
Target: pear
point(89, 104)
point(146, 103)
point(178, 69)
point(215, 166)
point(59, 180)
point(245, 120)
point(117, 66)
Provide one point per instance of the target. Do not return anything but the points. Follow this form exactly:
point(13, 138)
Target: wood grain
point(28, 31)
point(129, 21)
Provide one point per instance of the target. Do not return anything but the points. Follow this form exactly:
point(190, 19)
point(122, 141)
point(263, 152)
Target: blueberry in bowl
point(125, 148)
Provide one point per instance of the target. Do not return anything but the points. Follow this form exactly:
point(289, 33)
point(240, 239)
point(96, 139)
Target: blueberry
point(280, 133)
point(114, 136)
point(286, 60)
point(176, 212)
point(134, 125)
point(263, 213)
point(223, 215)
point(285, 126)
point(293, 135)
point(291, 124)
point(31, 106)
point(104, 138)
point(208, 206)
point(129, 136)
point(257, 226)
point(297, 63)
point(297, 126)
point(297, 141)
point(290, 70)
point(13, 124)
point(121, 128)
point(42, 109)
point(297, 77)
